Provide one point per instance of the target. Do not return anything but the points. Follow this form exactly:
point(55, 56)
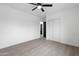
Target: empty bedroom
point(39, 29)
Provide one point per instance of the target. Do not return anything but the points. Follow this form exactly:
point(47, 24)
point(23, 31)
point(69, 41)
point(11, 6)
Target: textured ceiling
point(27, 8)
point(59, 6)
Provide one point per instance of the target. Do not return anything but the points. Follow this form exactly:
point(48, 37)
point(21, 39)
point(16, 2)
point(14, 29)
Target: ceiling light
point(39, 7)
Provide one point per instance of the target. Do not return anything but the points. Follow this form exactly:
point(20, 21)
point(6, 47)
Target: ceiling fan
point(40, 6)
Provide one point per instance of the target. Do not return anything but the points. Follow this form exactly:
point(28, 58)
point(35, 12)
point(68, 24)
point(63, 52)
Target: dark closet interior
point(43, 29)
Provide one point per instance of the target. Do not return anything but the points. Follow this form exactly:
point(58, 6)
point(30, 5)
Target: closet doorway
point(43, 29)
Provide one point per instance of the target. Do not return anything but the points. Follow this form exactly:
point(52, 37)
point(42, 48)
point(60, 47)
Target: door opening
point(43, 29)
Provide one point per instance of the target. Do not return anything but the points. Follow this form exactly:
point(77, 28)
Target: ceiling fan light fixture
point(39, 7)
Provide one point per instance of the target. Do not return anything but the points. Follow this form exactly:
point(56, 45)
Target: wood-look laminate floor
point(40, 47)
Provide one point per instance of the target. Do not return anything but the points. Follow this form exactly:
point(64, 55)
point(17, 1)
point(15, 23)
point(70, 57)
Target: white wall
point(63, 26)
point(17, 26)
point(55, 30)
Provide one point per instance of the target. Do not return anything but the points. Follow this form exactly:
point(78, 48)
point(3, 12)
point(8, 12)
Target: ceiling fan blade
point(34, 8)
point(42, 9)
point(33, 3)
point(47, 5)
